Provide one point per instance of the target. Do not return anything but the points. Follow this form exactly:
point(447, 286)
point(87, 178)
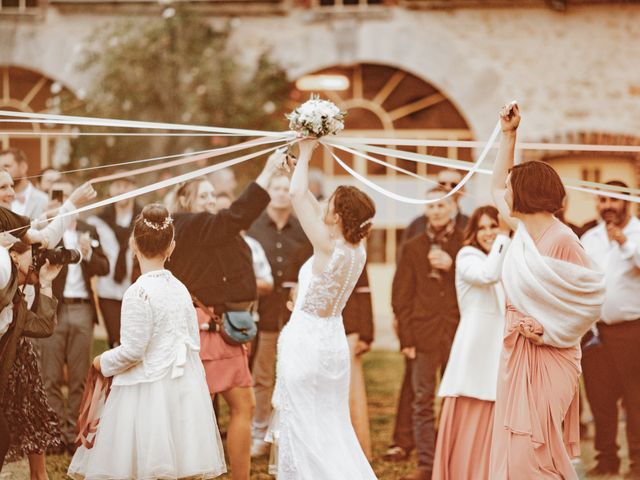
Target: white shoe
point(259, 448)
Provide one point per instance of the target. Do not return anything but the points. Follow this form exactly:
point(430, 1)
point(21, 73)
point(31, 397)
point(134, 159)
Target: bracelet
point(43, 286)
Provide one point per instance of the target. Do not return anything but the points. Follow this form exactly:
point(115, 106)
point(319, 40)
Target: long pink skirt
point(536, 426)
point(463, 448)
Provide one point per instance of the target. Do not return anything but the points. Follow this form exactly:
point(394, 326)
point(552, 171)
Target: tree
point(177, 69)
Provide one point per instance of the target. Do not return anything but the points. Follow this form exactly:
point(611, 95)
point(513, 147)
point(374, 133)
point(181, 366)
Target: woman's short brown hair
point(536, 188)
point(471, 232)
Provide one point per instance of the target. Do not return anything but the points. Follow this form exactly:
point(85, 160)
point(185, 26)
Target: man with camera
point(82, 258)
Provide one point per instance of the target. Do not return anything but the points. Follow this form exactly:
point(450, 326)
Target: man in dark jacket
point(403, 438)
point(424, 302)
point(449, 180)
point(72, 338)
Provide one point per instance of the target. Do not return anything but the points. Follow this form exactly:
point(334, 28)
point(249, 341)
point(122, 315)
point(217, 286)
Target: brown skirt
point(463, 448)
point(33, 425)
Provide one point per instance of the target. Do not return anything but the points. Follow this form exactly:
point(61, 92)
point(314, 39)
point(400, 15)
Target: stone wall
point(572, 71)
point(576, 71)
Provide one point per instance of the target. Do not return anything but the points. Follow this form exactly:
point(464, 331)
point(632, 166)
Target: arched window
point(384, 101)
point(28, 91)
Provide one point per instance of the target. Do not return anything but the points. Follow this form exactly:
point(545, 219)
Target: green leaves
point(176, 68)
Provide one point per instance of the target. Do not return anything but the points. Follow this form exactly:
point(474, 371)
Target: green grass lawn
point(384, 374)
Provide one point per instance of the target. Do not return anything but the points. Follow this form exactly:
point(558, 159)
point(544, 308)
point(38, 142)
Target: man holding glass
point(424, 302)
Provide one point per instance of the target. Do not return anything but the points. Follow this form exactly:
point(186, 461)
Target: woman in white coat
point(469, 382)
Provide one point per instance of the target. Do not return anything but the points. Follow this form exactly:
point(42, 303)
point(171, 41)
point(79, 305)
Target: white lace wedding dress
point(311, 428)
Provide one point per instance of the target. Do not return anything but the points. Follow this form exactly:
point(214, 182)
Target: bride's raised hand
point(307, 145)
point(510, 117)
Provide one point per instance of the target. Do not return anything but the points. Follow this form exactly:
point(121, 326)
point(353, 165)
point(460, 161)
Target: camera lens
point(63, 256)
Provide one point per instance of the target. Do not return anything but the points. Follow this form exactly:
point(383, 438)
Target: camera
point(56, 256)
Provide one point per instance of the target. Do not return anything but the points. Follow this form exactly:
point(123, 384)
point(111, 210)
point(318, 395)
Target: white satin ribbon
point(363, 144)
point(593, 188)
point(45, 118)
point(422, 201)
point(385, 164)
point(166, 183)
point(407, 142)
point(30, 133)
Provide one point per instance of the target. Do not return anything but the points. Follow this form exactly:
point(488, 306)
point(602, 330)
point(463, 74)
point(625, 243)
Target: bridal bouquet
point(316, 118)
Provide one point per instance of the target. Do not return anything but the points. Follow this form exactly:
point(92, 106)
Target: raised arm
point(50, 235)
point(476, 269)
point(305, 205)
point(212, 229)
point(509, 119)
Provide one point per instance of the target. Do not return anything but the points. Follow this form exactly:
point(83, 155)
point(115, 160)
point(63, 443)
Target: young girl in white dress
point(312, 429)
point(158, 421)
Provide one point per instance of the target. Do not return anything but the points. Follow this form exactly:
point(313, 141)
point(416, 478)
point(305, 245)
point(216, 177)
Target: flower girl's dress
point(158, 421)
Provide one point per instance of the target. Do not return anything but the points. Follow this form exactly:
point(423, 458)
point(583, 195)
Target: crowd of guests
point(242, 252)
point(233, 252)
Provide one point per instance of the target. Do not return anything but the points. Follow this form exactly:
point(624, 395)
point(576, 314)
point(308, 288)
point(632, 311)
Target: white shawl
point(563, 297)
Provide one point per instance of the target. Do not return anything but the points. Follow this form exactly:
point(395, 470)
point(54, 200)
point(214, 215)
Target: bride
point(311, 430)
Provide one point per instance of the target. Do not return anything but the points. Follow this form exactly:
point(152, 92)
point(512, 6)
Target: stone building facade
point(430, 69)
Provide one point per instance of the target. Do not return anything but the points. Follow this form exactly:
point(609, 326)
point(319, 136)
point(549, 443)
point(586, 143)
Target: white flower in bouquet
point(316, 118)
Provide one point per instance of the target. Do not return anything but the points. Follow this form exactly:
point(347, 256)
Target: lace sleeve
point(135, 334)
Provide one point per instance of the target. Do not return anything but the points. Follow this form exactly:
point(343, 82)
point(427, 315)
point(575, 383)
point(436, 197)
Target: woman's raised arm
point(509, 119)
point(307, 208)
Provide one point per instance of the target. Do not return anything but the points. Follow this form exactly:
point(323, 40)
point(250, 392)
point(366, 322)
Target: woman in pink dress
point(554, 294)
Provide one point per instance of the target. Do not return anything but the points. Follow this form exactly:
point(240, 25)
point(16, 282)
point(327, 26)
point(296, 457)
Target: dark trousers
point(403, 431)
point(610, 371)
point(424, 370)
point(70, 344)
point(111, 315)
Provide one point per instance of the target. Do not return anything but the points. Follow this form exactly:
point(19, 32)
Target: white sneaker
point(259, 448)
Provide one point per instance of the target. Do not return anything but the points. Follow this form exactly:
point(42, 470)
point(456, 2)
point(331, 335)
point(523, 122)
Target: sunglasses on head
point(450, 185)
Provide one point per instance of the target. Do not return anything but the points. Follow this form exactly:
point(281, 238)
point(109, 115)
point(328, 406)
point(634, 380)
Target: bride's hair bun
point(356, 210)
point(153, 230)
